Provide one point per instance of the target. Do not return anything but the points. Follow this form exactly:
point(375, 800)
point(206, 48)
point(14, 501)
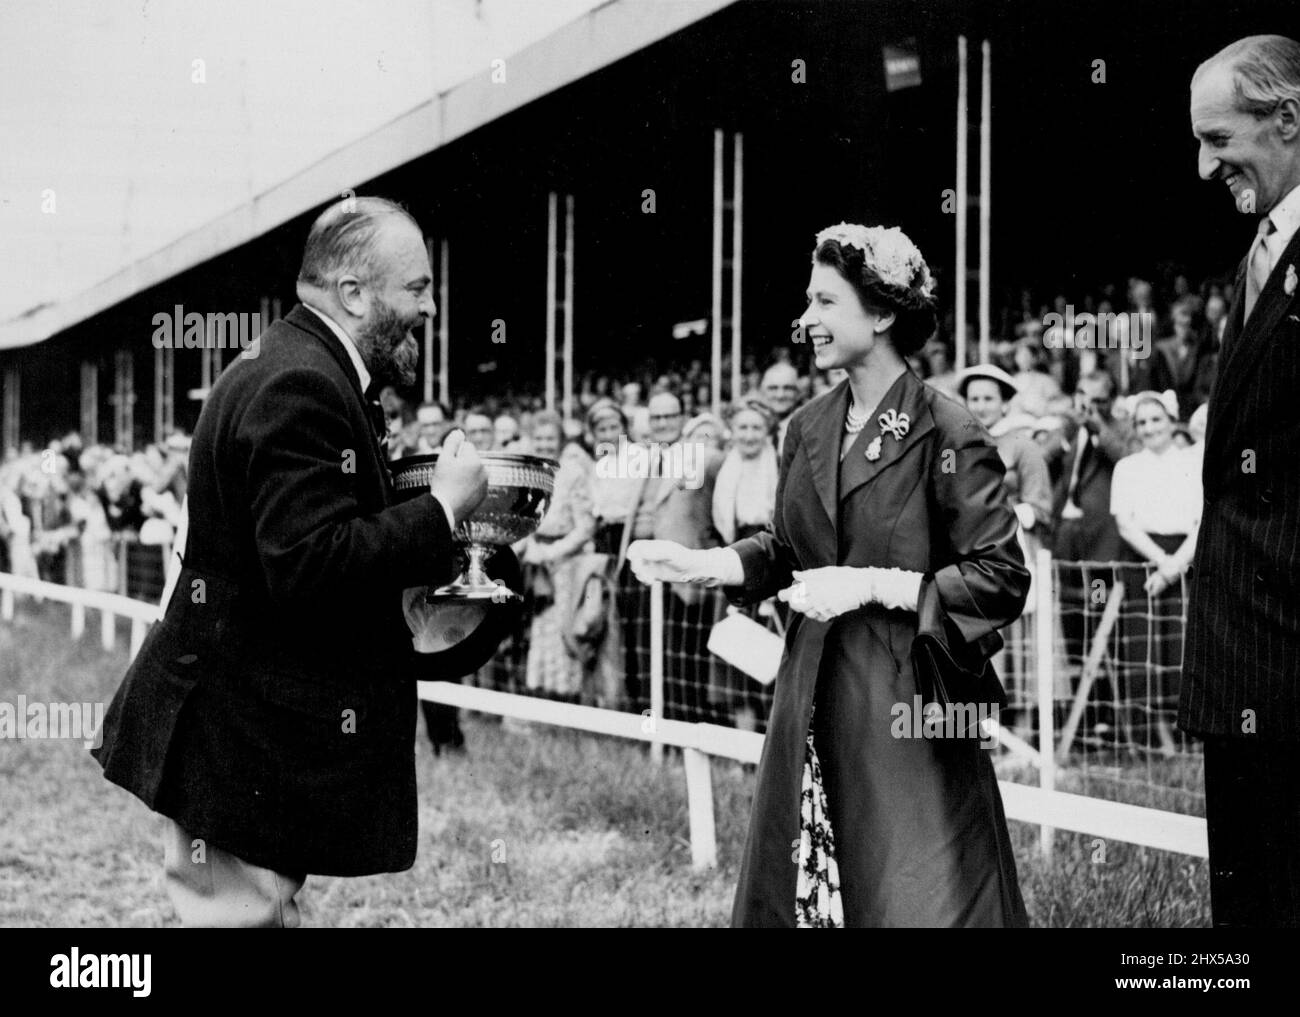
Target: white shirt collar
point(1286, 220)
point(362, 374)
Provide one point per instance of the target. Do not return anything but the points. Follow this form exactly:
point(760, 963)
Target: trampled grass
point(533, 827)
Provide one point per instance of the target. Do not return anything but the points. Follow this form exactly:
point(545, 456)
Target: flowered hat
point(889, 253)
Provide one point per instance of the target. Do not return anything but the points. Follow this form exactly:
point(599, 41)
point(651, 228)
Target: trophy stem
point(475, 574)
point(474, 583)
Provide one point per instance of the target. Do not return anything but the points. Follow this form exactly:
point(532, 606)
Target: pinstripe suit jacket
point(1243, 631)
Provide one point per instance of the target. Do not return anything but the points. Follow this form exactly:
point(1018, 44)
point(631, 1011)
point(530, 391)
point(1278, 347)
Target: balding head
point(345, 240)
point(780, 388)
point(366, 267)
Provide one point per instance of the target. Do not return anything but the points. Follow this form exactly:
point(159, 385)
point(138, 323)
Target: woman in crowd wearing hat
point(552, 550)
point(1155, 497)
point(895, 547)
point(609, 604)
point(989, 393)
point(744, 500)
point(706, 429)
point(613, 496)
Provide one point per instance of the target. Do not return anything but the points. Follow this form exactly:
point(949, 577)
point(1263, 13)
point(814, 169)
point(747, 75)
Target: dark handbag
point(950, 672)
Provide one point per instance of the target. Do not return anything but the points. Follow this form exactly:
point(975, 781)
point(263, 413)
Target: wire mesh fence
point(1116, 665)
point(1114, 669)
point(1116, 661)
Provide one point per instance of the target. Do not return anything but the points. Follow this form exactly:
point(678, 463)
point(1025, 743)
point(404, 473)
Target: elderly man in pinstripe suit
point(1241, 687)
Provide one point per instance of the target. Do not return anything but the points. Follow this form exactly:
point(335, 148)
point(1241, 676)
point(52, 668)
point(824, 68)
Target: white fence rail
point(1042, 806)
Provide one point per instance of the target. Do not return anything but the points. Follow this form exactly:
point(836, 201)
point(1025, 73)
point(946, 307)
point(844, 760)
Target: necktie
point(379, 425)
point(1258, 265)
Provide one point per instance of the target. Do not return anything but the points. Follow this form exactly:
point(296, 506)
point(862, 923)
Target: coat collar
point(304, 319)
point(1243, 349)
point(823, 428)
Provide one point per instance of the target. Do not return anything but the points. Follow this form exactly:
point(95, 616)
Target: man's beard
point(394, 353)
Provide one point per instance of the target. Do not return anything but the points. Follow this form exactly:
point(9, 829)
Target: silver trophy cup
point(519, 492)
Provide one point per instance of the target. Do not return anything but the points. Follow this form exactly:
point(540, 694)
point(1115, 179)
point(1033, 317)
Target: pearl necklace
point(853, 423)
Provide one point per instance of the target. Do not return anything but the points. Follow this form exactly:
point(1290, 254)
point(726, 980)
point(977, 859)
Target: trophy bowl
point(518, 495)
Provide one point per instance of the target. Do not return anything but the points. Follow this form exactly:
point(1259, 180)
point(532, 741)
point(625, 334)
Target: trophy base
point(474, 584)
point(470, 593)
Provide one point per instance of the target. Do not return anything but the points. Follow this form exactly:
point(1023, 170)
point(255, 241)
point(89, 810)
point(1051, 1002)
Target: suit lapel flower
point(1289, 283)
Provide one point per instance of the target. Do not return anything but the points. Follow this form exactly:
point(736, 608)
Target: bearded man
point(270, 715)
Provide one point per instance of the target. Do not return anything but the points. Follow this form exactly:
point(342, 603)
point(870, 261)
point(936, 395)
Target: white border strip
point(1167, 831)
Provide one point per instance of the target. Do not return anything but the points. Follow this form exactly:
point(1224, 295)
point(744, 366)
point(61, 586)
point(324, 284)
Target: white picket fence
point(1042, 806)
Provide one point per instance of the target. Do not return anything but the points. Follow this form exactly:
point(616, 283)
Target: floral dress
point(818, 904)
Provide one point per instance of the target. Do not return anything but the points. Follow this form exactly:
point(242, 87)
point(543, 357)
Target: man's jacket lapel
point(1243, 350)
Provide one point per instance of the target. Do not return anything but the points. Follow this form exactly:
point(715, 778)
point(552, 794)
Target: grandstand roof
point(179, 177)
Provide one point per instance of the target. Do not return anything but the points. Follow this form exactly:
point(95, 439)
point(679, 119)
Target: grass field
point(533, 828)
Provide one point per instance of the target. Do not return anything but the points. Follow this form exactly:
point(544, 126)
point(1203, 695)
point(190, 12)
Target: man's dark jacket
point(1243, 624)
point(271, 712)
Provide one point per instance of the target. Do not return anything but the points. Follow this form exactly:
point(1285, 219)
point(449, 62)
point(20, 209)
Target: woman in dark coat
point(891, 521)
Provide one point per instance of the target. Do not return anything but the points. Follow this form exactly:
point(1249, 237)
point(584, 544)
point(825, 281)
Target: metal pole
point(11, 407)
point(656, 665)
point(737, 227)
point(428, 341)
point(986, 131)
point(551, 216)
point(169, 392)
point(959, 288)
point(1045, 621)
point(444, 323)
point(90, 401)
point(716, 378)
point(568, 306)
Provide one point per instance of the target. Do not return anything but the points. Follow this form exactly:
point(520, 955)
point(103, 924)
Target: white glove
point(827, 593)
point(897, 589)
point(669, 562)
point(1025, 513)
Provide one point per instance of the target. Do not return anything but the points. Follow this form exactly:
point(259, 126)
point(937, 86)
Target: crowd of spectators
point(1100, 446)
point(90, 516)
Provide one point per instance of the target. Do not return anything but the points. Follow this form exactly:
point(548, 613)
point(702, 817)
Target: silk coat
point(920, 833)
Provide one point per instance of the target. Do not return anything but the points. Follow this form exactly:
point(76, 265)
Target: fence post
point(108, 629)
point(699, 797)
point(138, 630)
point(656, 665)
point(7, 604)
point(1045, 618)
point(78, 620)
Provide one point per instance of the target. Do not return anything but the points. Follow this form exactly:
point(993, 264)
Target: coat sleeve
point(984, 583)
point(767, 557)
point(312, 539)
point(1035, 483)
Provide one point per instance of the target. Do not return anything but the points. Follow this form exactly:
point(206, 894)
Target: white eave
point(594, 40)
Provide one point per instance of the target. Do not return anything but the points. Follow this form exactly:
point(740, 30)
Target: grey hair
point(342, 240)
point(1265, 72)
